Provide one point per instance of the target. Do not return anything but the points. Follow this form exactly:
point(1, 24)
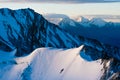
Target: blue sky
point(89, 7)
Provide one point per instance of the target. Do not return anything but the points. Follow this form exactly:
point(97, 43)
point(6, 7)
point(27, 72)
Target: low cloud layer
point(63, 1)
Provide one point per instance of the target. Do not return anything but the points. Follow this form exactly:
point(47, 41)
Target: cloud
point(76, 1)
point(63, 1)
point(13, 0)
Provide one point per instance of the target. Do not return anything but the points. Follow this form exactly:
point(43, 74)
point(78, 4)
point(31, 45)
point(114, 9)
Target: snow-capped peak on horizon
point(83, 20)
point(95, 21)
point(68, 21)
point(98, 22)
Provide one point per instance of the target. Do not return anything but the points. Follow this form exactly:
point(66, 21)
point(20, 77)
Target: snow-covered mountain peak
point(98, 22)
point(84, 20)
point(55, 18)
point(7, 11)
point(68, 21)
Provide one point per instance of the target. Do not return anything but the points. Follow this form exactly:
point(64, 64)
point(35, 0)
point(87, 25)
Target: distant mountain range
point(96, 28)
point(56, 18)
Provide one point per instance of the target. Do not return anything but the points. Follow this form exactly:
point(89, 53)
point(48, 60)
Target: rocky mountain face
point(25, 30)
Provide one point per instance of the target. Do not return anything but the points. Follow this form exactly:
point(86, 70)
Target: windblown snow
point(51, 64)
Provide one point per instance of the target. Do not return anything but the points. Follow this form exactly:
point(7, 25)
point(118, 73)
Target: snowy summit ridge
point(52, 64)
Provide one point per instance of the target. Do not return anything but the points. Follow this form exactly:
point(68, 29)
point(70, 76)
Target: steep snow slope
point(52, 64)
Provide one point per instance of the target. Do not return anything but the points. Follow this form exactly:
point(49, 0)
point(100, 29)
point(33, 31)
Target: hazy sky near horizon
point(70, 9)
point(62, 1)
